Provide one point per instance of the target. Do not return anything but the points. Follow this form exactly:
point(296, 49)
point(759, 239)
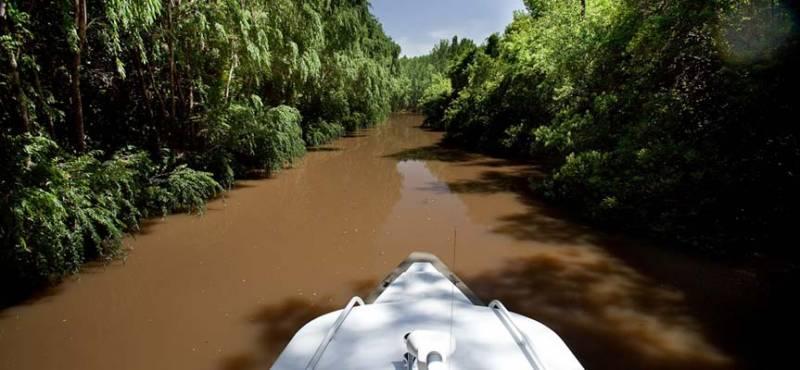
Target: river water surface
point(226, 290)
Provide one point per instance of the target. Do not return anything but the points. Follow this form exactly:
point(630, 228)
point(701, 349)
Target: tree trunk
point(173, 82)
point(158, 92)
point(230, 77)
point(43, 103)
point(155, 140)
point(772, 11)
point(24, 117)
point(583, 8)
point(190, 105)
point(16, 81)
point(146, 94)
point(77, 103)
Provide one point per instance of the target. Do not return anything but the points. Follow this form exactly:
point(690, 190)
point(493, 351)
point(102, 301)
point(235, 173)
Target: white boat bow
point(423, 317)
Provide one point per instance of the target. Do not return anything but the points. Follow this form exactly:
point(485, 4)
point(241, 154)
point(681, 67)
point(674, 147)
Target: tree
point(11, 44)
point(79, 23)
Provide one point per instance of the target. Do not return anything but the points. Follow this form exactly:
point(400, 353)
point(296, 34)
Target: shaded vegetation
point(118, 110)
point(673, 118)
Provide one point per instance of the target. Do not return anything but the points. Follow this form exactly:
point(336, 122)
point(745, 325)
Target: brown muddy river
point(226, 290)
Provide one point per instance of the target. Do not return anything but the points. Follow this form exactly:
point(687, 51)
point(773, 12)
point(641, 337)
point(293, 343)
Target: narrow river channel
point(226, 290)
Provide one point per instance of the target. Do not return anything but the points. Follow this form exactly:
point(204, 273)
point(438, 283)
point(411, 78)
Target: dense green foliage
point(207, 90)
point(59, 209)
point(673, 117)
point(417, 74)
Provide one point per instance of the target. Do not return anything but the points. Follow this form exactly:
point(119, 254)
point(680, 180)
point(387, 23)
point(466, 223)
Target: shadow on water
point(354, 135)
point(323, 149)
point(539, 222)
point(13, 296)
point(277, 324)
point(246, 184)
point(622, 303)
point(612, 317)
point(433, 153)
point(615, 317)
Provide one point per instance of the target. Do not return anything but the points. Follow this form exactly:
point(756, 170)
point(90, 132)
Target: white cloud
point(414, 48)
point(443, 34)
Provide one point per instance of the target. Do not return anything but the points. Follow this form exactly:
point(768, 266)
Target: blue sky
point(419, 24)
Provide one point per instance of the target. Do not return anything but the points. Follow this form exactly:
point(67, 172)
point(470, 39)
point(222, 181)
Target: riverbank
point(228, 289)
point(125, 111)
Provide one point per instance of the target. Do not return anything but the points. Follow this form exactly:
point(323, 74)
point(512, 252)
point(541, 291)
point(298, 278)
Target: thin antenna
point(452, 295)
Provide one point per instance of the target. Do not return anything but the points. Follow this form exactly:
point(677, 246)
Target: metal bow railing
point(355, 301)
point(522, 341)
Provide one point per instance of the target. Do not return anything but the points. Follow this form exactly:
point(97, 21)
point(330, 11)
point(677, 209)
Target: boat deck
point(423, 297)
